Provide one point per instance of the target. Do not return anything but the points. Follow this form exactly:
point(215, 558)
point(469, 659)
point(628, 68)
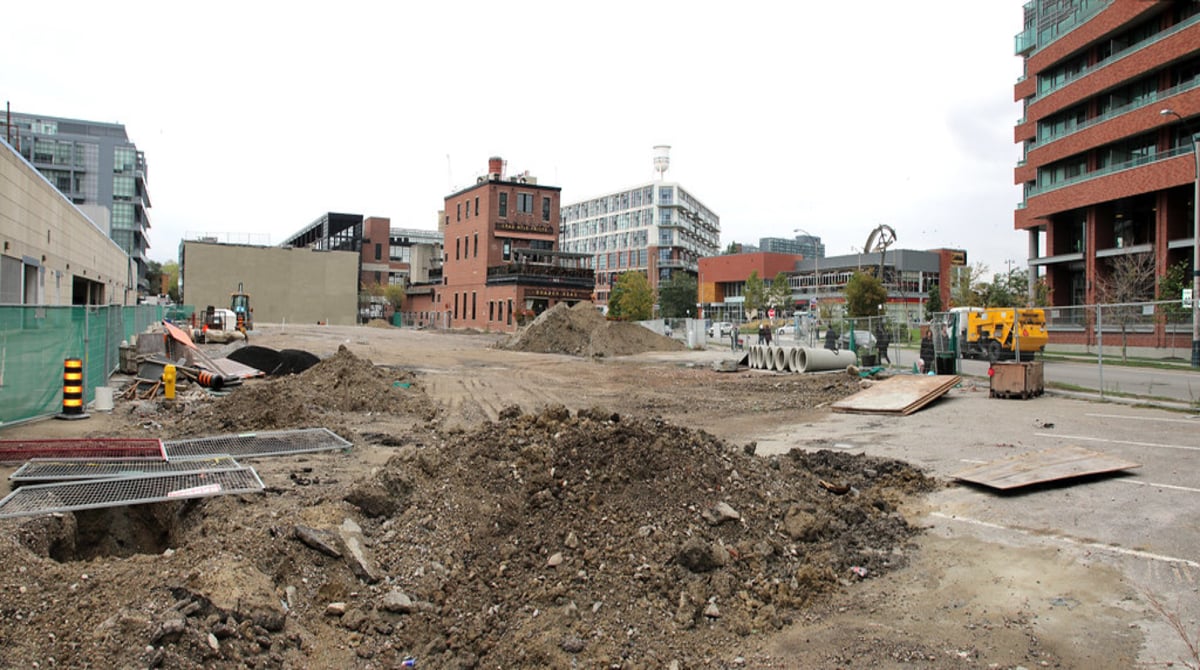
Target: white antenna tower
point(662, 159)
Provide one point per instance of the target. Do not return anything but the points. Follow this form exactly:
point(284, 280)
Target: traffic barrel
point(72, 396)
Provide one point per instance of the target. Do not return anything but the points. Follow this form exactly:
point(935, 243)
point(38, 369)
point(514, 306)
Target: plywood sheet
point(1043, 466)
point(902, 394)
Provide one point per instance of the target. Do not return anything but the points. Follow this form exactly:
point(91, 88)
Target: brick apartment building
point(1106, 170)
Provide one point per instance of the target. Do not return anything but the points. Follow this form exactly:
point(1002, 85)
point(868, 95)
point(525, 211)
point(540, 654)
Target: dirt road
point(994, 581)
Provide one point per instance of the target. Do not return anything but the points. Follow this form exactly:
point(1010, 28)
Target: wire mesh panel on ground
point(266, 443)
point(47, 470)
point(84, 447)
point(97, 493)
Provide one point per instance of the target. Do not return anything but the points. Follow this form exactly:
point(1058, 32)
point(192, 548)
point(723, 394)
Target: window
point(472, 306)
point(457, 242)
point(476, 254)
point(458, 212)
point(476, 205)
point(378, 251)
point(525, 203)
point(503, 205)
point(665, 195)
point(506, 254)
point(468, 214)
point(545, 209)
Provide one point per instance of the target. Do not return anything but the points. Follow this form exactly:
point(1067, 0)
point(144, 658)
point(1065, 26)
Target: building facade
point(502, 262)
point(1106, 170)
point(657, 228)
point(808, 246)
point(50, 252)
point(286, 285)
point(908, 276)
point(397, 256)
point(98, 169)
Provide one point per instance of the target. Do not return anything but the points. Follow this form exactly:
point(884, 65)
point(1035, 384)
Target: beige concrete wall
point(285, 285)
point(39, 223)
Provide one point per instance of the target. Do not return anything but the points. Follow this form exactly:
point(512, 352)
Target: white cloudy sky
point(834, 117)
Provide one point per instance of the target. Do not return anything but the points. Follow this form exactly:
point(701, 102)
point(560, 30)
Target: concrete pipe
point(778, 359)
point(794, 359)
point(755, 357)
point(816, 360)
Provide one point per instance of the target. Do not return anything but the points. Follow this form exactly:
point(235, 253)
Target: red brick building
point(1105, 170)
point(502, 264)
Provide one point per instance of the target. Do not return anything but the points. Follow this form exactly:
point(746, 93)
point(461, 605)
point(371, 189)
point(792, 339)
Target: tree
point(677, 296)
point(933, 301)
point(1008, 290)
point(394, 294)
point(779, 295)
point(1170, 287)
point(733, 248)
point(171, 270)
point(967, 288)
point(754, 294)
point(631, 298)
point(154, 276)
point(864, 294)
point(1130, 279)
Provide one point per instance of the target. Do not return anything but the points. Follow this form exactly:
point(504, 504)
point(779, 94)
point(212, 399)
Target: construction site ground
point(551, 510)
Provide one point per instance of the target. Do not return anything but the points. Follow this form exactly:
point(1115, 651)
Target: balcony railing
point(1123, 109)
point(1111, 169)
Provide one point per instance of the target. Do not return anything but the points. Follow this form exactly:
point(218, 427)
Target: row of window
point(463, 245)
point(525, 205)
point(619, 202)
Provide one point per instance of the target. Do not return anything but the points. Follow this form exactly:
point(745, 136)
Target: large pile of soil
point(548, 540)
point(319, 396)
point(583, 331)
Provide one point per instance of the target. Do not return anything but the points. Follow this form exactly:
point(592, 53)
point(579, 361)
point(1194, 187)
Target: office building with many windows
point(657, 228)
point(97, 168)
point(809, 246)
point(1111, 96)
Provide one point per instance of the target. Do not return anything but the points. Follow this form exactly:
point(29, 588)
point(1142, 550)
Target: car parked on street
point(719, 329)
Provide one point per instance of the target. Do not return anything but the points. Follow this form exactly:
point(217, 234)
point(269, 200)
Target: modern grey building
point(97, 168)
point(656, 228)
point(809, 246)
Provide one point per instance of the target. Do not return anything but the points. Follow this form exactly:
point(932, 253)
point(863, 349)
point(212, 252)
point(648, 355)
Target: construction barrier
point(72, 393)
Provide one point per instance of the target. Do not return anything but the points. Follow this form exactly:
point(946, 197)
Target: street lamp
point(1195, 237)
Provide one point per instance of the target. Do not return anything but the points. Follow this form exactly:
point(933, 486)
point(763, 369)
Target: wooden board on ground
point(232, 368)
point(1038, 467)
point(902, 394)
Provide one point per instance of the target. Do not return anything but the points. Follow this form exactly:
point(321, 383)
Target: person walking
point(733, 338)
point(830, 338)
point(767, 333)
point(927, 352)
point(762, 333)
point(882, 340)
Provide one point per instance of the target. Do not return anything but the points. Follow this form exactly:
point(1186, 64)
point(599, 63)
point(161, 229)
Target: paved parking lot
point(1144, 523)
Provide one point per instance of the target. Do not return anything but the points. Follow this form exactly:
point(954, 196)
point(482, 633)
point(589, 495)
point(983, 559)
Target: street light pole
point(1195, 236)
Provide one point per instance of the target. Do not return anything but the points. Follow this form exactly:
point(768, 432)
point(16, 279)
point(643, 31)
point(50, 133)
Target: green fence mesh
point(34, 342)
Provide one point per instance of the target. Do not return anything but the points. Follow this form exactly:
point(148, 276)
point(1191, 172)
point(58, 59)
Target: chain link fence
point(34, 342)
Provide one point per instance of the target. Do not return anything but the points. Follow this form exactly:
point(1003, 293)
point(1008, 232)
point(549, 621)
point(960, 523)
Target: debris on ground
point(553, 539)
point(582, 331)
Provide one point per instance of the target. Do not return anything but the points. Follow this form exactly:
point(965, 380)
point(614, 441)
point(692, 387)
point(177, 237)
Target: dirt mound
point(549, 540)
point(378, 323)
point(599, 540)
point(342, 383)
point(582, 331)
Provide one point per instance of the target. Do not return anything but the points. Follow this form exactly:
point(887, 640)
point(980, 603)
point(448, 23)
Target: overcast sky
point(833, 117)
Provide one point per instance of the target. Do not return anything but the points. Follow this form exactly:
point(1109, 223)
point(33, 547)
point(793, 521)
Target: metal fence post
point(1100, 346)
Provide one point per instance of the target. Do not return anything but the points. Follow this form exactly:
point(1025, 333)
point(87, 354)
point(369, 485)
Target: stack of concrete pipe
point(798, 359)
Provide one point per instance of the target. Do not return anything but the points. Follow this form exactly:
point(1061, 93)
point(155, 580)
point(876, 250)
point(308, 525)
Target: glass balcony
point(1110, 169)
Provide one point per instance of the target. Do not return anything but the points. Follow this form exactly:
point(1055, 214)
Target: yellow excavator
point(239, 304)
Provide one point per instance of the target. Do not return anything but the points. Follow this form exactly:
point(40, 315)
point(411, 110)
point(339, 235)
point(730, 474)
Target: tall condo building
point(1111, 95)
point(656, 228)
point(97, 168)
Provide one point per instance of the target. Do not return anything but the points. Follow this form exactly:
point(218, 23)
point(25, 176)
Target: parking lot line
point(1136, 444)
point(1161, 486)
point(1096, 546)
point(1193, 421)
